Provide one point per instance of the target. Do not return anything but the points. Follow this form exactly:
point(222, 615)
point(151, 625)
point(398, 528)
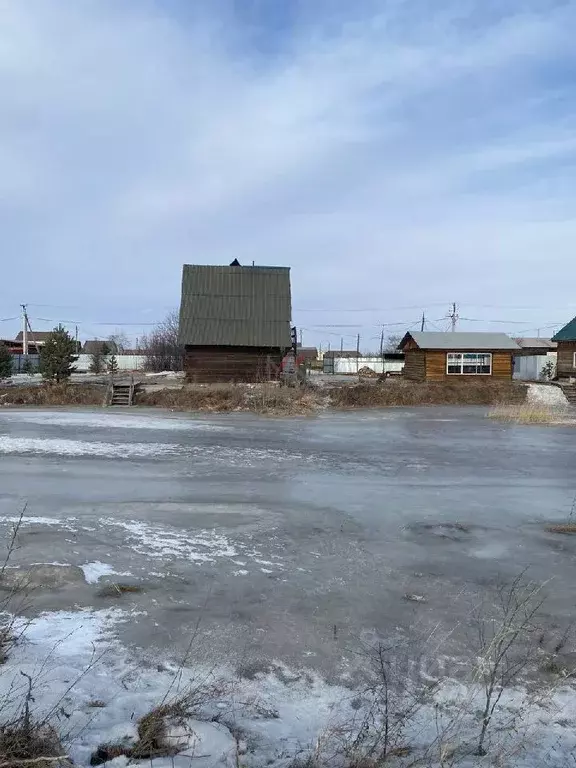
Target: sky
point(398, 155)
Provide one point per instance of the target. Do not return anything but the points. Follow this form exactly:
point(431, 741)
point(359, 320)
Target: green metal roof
point(235, 306)
point(568, 333)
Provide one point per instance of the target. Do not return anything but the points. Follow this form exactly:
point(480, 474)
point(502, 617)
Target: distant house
point(435, 356)
point(99, 347)
point(36, 340)
point(566, 357)
point(234, 322)
point(535, 346)
point(306, 354)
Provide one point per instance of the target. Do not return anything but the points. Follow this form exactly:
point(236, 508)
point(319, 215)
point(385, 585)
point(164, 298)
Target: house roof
point(533, 342)
point(568, 333)
point(452, 341)
point(308, 353)
point(34, 336)
point(342, 353)
point(98, 346)
point(235, 306)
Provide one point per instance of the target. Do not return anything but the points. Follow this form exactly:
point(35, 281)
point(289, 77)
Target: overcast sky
point(398, 155)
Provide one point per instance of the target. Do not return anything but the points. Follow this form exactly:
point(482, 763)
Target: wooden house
point(446, 356)
point(566, 351)
point(234, 322)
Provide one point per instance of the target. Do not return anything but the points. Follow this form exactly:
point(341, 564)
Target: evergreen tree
point(98, 358)
point(57, 356)
point(112, 364)
point(27, 366)
point(5, 362)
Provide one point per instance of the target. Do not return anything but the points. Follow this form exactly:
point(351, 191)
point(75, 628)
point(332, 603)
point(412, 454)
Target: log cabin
point(435, 356)
point(566, 351)
point(234, 322)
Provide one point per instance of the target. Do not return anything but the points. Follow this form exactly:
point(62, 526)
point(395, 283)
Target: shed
point(435, 356)
point(535, 346)
point(566, 358)
point(234, 322)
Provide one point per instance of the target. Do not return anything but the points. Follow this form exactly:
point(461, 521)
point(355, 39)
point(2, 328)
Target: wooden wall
point(232, 364)
point(565, 360)
point(430, 365)
point(415, 365)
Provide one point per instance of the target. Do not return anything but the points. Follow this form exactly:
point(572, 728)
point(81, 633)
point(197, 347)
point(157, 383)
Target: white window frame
point(461, 372)
point(574, 361)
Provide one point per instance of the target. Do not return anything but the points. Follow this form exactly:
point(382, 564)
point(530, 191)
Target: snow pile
point(93, 572)
point(546, 395)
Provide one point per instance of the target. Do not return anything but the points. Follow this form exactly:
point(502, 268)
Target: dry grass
point(22, 742)
point(400, 392)
point(53, 394)
point(528, 413)
point(566, 528)
point(117, 590)
point(266, 398)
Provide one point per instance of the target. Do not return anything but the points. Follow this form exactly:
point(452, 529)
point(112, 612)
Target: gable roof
point(452, 341)
point(99, 347)
point(235, 306)
point(535, 342)
point(568, 333)
point(38, 336)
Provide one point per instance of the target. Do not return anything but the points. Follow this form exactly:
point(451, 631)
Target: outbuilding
point(566, 351)
point(436, 356)
point(234, 322)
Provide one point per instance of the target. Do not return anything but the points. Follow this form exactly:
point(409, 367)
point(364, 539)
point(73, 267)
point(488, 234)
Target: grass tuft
point(566, 528)
point(117, 590)
point(528, 413)
point(65, 393)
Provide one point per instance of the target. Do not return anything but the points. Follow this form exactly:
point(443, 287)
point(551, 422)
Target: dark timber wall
point(234, 364)
point(565, 361)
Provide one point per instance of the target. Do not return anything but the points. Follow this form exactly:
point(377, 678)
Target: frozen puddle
point(93, 572)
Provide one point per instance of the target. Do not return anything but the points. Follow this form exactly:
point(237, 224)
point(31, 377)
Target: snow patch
point(107, 420)
point(94, 571)
point(18, 445)
point(547, 395)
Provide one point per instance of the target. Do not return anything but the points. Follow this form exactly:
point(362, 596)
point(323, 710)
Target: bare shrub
point(117, 590)
point(506, 647)
point(161, 347)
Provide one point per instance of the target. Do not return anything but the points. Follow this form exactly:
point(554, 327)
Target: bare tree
point(391, 343)
point(118, 341)
point(161, 347)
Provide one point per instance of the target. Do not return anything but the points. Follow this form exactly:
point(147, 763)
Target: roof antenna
point(235, 263)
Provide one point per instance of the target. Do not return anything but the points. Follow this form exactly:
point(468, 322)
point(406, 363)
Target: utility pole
point(77, 350)
point(357, 353)
point(24, 330)
point(300, 336)
point(423, 323)
point(453, 315)
point(341, 343)
point(382, 342)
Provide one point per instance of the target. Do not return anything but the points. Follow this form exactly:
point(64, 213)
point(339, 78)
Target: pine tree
point(57, 356)
point(5, 362)
point(98, 358)
point(27, 366)
point(112, 364)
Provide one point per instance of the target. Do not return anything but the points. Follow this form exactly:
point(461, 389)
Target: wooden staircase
point(120, 393)
point(570, 392)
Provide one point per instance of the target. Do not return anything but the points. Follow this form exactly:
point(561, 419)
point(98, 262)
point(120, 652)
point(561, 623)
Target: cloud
point(403, 154)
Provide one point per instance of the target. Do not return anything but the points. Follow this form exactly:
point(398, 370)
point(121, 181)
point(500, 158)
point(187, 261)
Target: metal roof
point(235, 306)
point(454, 340)
point(568, 333)
point(38, 336)
point(536, 342)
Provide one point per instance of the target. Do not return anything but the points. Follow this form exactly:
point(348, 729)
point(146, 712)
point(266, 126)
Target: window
point(469, 363)
point(574, 361)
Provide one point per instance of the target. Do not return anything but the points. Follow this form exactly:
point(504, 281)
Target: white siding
point(125, 362)
point(529, 367)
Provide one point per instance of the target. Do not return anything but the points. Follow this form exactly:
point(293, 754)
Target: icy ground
point(95, 690)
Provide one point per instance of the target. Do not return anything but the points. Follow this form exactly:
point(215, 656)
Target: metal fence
point(25, 363)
